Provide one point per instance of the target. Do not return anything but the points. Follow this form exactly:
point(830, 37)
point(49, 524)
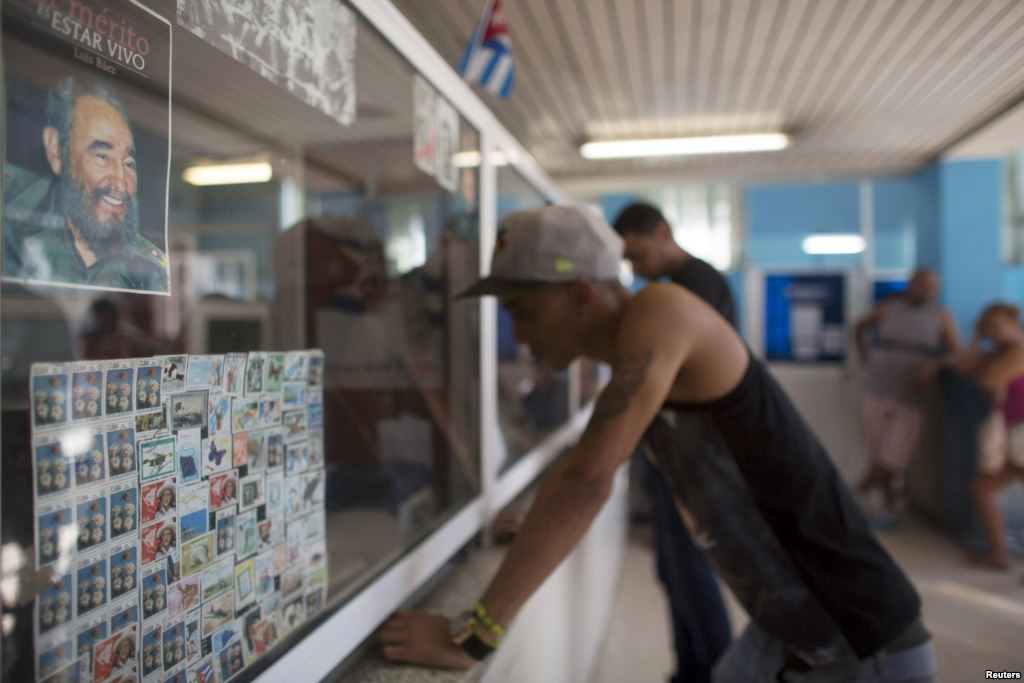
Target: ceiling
point(864, 85)
point(1000, 138)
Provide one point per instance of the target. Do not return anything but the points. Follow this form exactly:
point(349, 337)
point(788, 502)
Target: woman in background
point(1000, 371)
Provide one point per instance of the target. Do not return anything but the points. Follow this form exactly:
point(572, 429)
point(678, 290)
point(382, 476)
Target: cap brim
point(499, 287)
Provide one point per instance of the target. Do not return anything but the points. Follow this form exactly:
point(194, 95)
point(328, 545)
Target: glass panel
point(593, 376)
point(348, 247)
point(1013, 209)
point(704, 220)
point(533, 399)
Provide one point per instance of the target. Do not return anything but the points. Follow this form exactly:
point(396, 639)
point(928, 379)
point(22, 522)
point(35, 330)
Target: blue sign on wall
point(883, 289)
point(805, 318)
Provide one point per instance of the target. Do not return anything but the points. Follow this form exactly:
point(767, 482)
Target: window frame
point(328, 645)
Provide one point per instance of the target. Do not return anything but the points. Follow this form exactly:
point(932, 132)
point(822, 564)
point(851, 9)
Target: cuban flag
point(488, 57)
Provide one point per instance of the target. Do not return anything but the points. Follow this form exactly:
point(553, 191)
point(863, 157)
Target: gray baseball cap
point(550, 245)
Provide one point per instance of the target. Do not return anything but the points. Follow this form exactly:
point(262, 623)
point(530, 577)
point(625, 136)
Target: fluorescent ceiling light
point(834, 243)
point(229, 174)
point(472, 159)
point(661, 147)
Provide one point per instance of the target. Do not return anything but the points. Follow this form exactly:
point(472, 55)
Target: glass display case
point(276, 198)
point(258, 182)
point(201, 198)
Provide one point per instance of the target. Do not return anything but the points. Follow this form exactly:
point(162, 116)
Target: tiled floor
point(975, 616)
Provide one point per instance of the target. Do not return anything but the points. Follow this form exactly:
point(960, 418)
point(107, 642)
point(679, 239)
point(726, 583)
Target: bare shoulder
point(645, 318)
point(661, 304)
point(878, 312)
point(665, 317)
point(1013, 355)
point(998, 368)
point(946, 316)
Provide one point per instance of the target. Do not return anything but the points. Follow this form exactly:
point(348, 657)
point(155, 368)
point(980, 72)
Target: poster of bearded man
point(88, 148)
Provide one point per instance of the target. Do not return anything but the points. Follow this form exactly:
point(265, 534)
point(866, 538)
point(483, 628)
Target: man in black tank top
point(700, 624)
point(826, 601)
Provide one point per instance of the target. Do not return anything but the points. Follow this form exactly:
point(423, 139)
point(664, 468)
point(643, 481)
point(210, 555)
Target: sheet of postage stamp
point(179, 501)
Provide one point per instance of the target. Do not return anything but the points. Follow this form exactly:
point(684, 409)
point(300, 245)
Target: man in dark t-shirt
point(655, 255)
point(700, 625)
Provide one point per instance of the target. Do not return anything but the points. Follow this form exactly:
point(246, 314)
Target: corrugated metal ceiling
point(863, 84)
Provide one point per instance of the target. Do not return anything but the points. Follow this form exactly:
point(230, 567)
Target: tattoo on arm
point(630, 372)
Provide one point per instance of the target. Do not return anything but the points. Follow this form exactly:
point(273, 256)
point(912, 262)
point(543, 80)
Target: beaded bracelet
point(485, 620)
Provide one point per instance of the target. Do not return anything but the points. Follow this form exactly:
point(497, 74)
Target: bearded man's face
point(98, 185)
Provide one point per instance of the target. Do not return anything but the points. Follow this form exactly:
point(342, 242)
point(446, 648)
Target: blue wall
point(970, 226)
point(613, 204)
point(895, 221)
point(926, 213)
point(778, 217)
point(948, 216)
point(1013, 285)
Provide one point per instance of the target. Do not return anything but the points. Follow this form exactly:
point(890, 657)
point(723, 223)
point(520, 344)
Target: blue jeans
point(700, 625)
point(756, 657)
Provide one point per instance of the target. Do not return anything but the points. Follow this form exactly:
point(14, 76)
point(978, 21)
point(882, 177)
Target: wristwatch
point(463, 633)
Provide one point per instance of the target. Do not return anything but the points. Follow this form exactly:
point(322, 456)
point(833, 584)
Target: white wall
point(828, 399)
point(559, 635)
point(827, 396)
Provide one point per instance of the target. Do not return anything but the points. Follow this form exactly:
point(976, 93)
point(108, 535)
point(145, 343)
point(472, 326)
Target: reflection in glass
point(533, 399)
point(593, 377)
point(348, 247)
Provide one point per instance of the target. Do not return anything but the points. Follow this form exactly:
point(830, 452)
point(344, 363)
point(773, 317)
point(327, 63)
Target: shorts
point(999, 444)
point(892, 430)
point(756, 657)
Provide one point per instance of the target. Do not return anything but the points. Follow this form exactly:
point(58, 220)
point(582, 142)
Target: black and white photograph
point(305, 46)
point(189, 410)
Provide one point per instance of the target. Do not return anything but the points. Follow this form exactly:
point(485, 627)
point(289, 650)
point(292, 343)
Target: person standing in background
point(655, 255)
point(894, 341)
point(999, 371)
point(700, 625)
